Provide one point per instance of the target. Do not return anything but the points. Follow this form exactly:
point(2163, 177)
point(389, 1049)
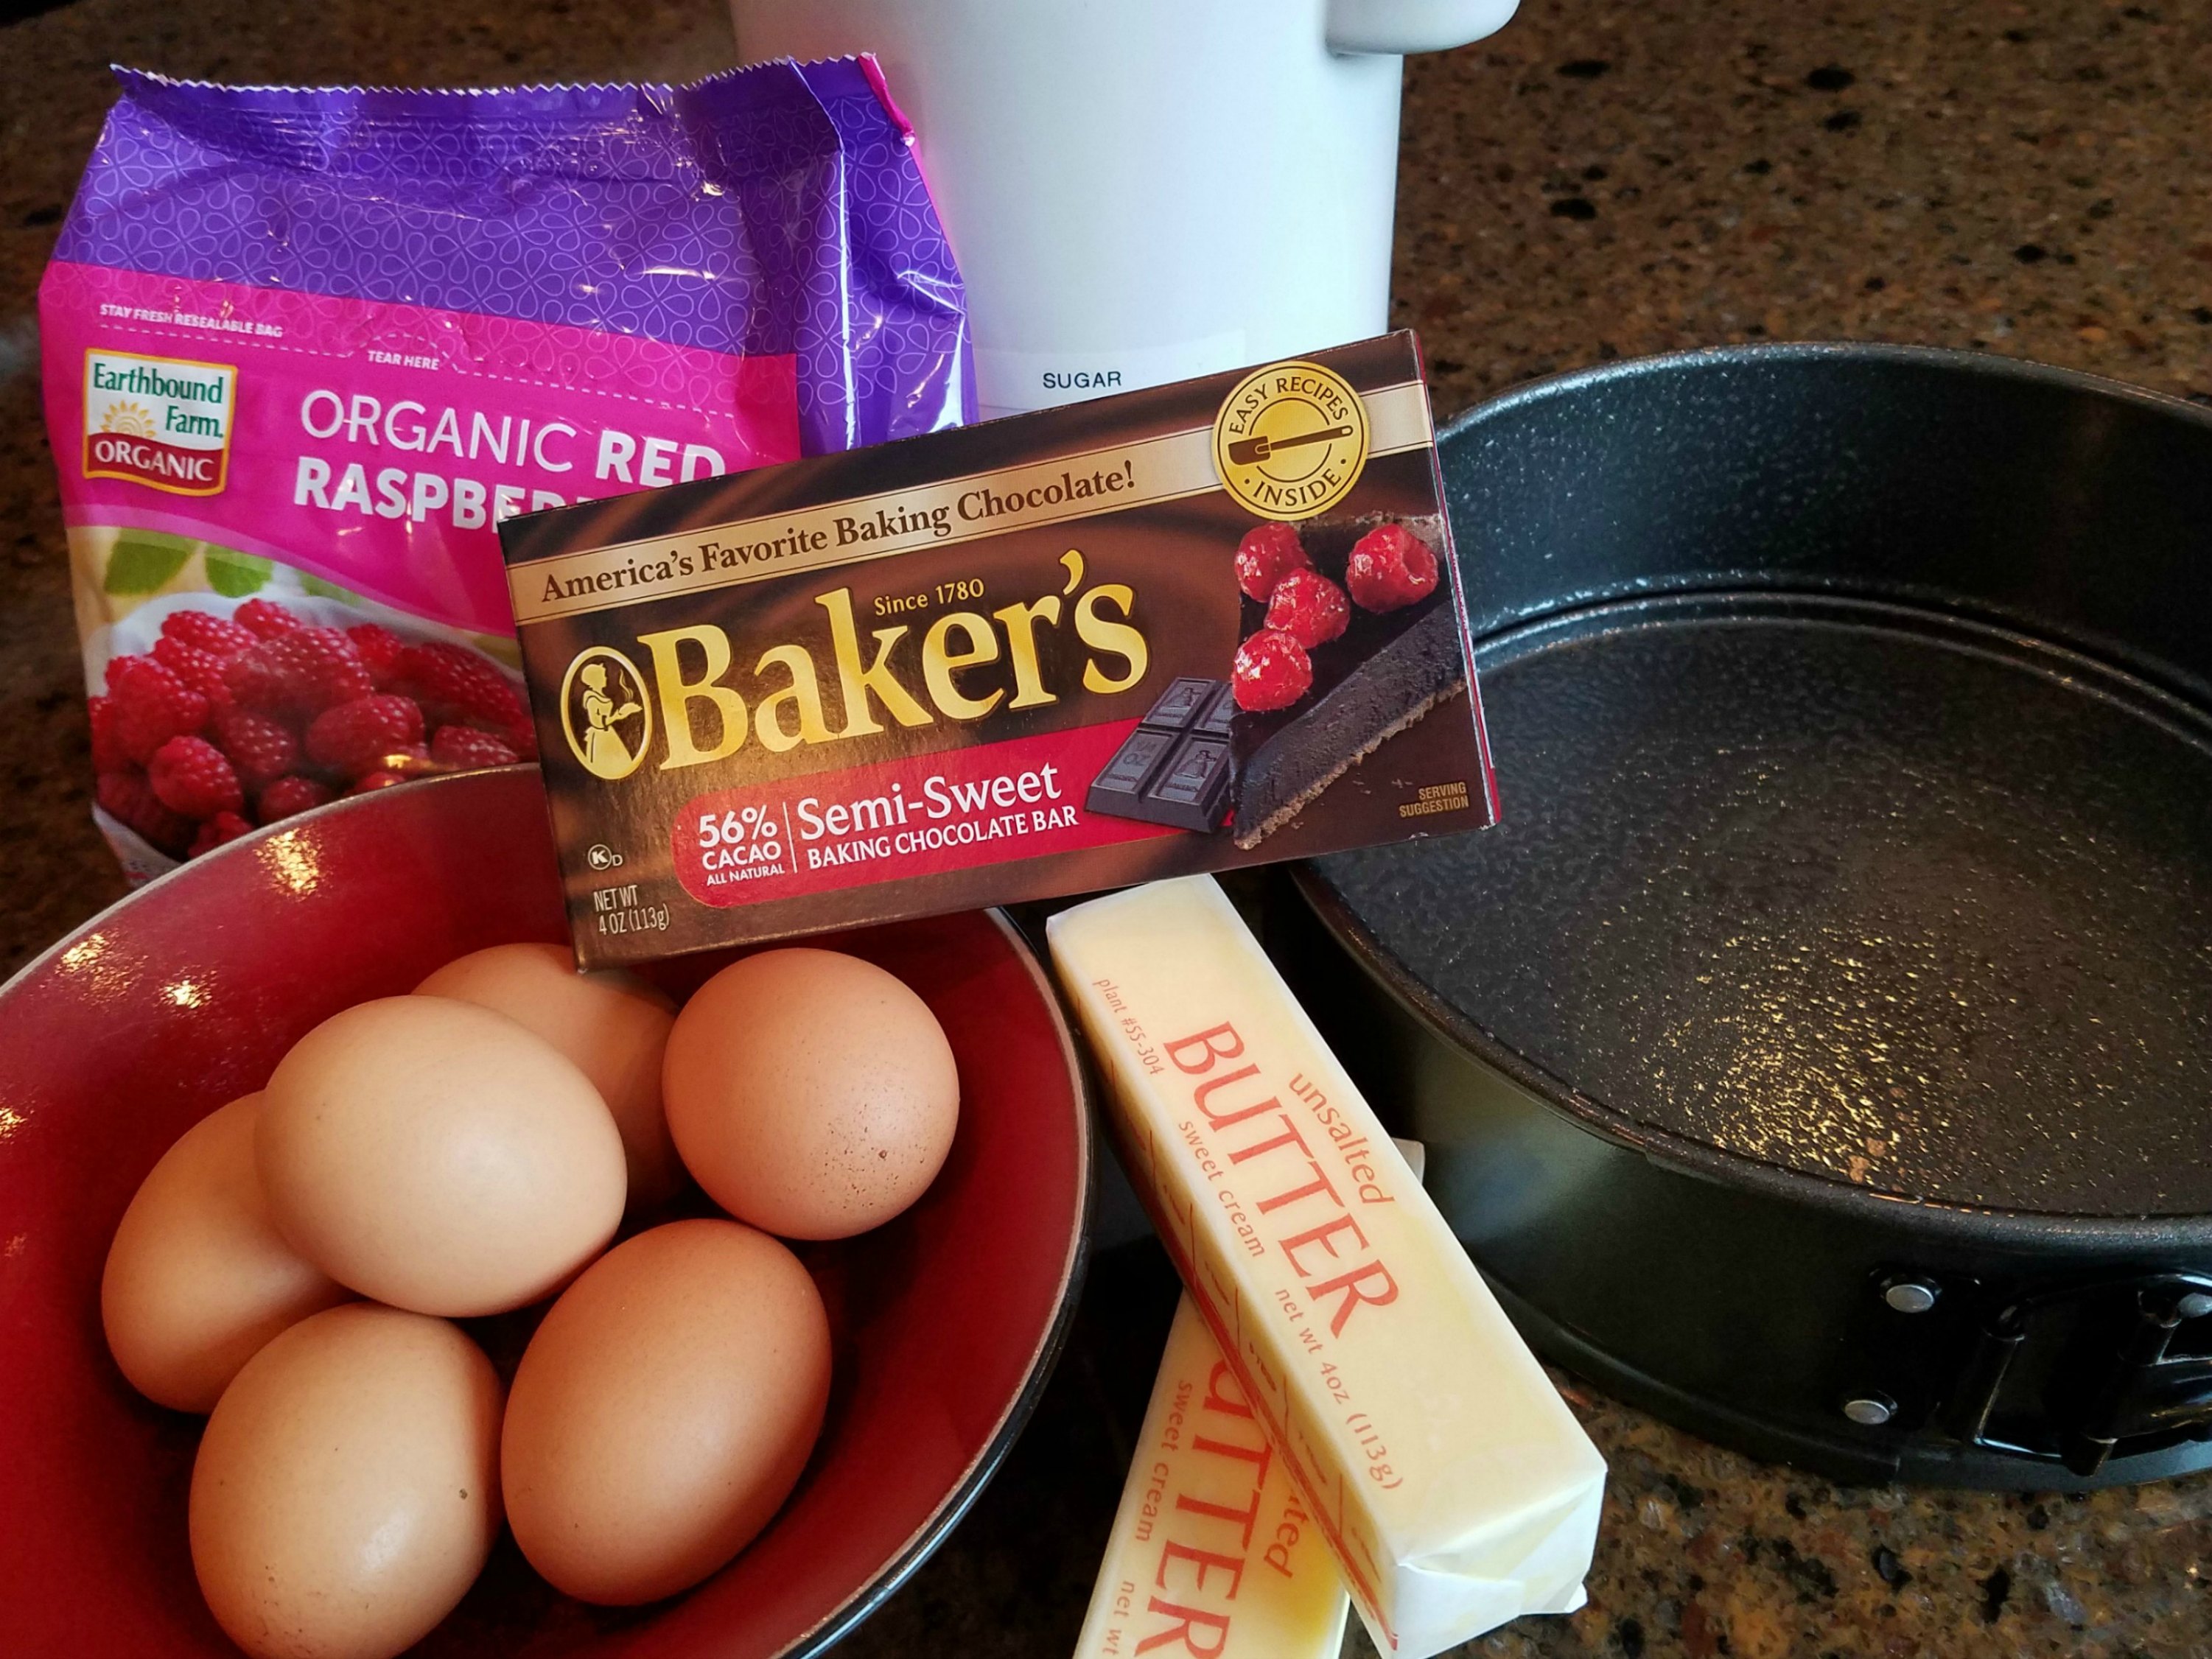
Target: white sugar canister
point(1138, 191)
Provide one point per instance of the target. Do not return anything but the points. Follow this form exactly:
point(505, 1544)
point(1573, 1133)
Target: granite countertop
point(1594, 182)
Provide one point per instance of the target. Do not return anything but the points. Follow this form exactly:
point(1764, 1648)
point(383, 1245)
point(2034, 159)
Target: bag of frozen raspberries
point(304, 349)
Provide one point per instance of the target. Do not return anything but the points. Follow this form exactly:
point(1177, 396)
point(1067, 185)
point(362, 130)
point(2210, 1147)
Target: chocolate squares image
point(1174, 768)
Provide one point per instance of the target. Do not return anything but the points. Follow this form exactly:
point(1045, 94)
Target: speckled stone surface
point(1608, 181)
point(1595, 181)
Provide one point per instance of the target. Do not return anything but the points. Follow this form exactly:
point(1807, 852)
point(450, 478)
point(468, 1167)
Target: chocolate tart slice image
point(1382, 673)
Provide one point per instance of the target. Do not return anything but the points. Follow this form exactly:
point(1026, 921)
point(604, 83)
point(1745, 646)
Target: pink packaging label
point(915, 816)
point(372, 445)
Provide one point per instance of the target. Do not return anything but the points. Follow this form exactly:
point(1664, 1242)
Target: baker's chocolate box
point(1205, 625)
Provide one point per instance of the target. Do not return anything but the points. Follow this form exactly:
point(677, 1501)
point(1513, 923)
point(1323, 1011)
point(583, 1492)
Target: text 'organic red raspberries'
point(1265, 553)
point(1390, 567)
point(1271, 671)
point(277, 193)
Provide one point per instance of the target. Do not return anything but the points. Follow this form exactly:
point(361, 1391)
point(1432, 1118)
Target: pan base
point(1849, 888)
point(1847, 1458)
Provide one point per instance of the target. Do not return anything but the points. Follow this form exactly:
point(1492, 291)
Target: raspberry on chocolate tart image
point(1390, 568)
point(1394, 655)
point(1267, 553)
point(1271, 671)
point(1309, 607)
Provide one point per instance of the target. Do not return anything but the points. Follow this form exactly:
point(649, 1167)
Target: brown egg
point(198, 1277)
point(346, 1492)
point(613, 1025)
point(664, 1411)
point(436, 1156)
point(810, 1093)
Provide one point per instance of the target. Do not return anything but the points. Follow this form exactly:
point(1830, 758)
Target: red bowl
point(184, 996)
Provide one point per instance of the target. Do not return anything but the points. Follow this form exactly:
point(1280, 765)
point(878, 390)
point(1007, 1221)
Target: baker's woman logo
point(605, 714)
point(1290, 440)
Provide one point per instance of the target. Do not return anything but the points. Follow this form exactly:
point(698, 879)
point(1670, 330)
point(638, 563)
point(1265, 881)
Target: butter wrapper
point(1213, 1550)
point(1453, 1484)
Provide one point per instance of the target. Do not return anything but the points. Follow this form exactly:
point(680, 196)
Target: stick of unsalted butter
point(1206, 1474)
point(1213, 1552)
point(1454, 1486)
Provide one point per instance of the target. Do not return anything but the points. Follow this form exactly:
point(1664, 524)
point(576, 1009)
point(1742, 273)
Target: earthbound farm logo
point(159, 422)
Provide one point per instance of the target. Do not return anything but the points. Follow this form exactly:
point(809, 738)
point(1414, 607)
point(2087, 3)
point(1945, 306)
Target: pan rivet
point(1908, 1294)
point(1870, 1411)
point(2195, 1305)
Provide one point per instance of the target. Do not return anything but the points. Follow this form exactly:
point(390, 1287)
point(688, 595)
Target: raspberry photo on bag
point(305, 350)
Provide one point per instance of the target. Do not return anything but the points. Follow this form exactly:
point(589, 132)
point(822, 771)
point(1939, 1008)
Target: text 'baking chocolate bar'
point(1209, 624)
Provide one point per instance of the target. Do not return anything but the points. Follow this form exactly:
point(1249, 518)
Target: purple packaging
point(305, 348)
